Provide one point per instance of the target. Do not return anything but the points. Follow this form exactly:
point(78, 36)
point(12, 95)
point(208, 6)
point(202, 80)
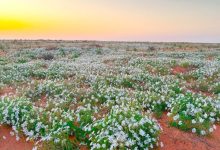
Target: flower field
point(84, 95)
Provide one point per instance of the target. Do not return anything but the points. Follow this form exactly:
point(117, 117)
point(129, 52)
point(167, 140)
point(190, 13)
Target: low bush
point(123, 129)
point(194, 113)
point(47, 56)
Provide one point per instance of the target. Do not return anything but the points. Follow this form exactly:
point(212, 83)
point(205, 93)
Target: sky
point(117, 20)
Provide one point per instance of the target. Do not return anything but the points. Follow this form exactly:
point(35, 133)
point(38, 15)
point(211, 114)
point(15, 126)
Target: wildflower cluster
point(195, 113)
point(123, 129)
point(52, 124)
point(50, 89)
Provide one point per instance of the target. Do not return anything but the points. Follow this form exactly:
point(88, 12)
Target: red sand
point(178, 70)
point(7, 91)
point(42, 102)
point(2, 53)
point(175, 139)
point(203, 93)
point(10, 142)
point(109, 62)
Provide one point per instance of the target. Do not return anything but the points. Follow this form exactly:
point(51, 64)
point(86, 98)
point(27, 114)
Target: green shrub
point(62, 52)
point(3, 60)
point(185, 64)
point(75, 55)
point(47, 56)
point(195, 113)
point(123, 129)
point(216, 89)
point(2, 47)
point(22, 60)
point(98, 51)
point(84, 116)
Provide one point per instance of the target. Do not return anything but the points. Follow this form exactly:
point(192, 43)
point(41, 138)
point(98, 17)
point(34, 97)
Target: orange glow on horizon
point(110, 20)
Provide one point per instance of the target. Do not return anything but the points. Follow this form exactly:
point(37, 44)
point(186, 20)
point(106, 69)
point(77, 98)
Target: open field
point(109, 95)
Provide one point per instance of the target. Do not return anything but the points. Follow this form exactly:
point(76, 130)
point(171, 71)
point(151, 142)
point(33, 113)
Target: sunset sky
point(133, 20)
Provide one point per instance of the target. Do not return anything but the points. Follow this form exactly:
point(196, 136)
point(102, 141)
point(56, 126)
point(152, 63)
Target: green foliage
point(2, 47)
point(22, 60)
point(49, 89)
point(185, 64)
point(98, 51)
point(192, 112)
point(84, 116)
point(123, 129)
point(75, 55)
point(62, 52)
point(3, 60)
point(216, 89)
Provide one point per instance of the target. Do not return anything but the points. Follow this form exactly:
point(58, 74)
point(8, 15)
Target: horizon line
point(91, 40)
